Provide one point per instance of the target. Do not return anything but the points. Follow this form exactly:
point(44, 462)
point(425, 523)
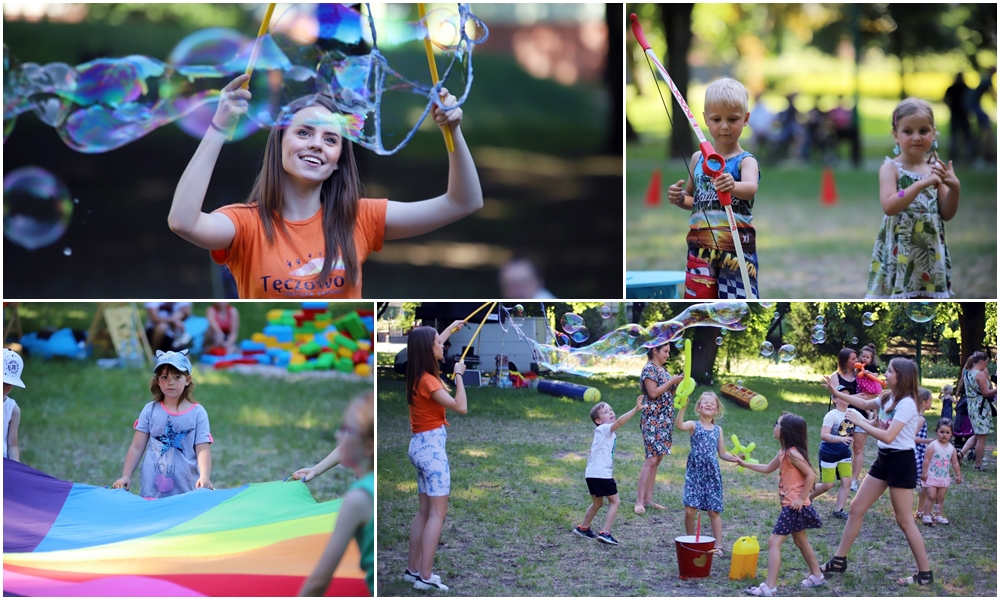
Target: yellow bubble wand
point(422, 10)
point(254, 52)
point(486, 316)
point(686, 386)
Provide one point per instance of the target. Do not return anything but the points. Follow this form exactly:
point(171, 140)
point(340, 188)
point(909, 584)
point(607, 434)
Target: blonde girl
point(918, 193)
point(941, 454)
point(703, 478)
point(356, 442)
point(797, 513)
point(895, 468)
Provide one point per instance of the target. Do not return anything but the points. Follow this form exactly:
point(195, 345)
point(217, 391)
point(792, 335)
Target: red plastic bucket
point(694, 559)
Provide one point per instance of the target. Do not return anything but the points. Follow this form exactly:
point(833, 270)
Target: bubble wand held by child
point(714, 164)
point(448, 140)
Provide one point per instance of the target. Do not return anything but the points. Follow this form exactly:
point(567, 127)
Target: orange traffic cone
point(653, 191)
point(828, 191)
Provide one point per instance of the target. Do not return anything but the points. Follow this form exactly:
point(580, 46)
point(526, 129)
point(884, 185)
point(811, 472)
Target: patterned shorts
point(427, 453)
point(716, 274)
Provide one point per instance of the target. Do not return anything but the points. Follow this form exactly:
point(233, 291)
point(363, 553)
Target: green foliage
point(76, 422)
point(517, 490)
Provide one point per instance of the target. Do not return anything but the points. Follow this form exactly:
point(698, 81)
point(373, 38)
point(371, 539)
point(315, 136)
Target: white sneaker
point(433, 584)
point(854, 485)
point(412, 577)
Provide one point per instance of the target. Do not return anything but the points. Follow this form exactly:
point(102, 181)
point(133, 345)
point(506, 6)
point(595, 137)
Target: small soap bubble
point(36, 207)
point(820, 320)
point(920, 312)
point(739, 382)
point(605, 312)
point(854, 340)
point(518, 310)
point(67, 251)
point(76, 200)
point(571, 322)
point(679, 344)
point(580, 335)
point(786, 353)
point(766, 349)
point(718, 341)
point(868, 319)
point(818, 335)
point(723, 332)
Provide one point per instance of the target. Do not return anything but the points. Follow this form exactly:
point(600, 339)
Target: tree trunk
point(703, 353)
point(972, 324)
point(677, 26)
point(637, 308)
point(614, 78)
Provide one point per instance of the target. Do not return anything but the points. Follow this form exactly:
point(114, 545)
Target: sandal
point(813, 581)
point(919, 516)
point(718, 550)
point(760, 590)
point(941, 520)
point(837, 564)
point(927, 520)
point(921, 578)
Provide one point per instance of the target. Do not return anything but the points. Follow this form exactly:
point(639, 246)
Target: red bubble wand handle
point(714, 164)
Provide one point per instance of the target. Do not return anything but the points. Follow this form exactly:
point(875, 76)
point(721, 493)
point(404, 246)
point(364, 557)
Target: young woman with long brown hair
point(895, 468)
point(428, 398)
point(305, 230)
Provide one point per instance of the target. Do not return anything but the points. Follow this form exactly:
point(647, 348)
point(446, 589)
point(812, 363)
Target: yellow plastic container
point(746, 551)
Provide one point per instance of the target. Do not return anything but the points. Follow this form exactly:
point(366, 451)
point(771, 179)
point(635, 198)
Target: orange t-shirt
point(425, 413)
point(288, 267)
point(790, 482)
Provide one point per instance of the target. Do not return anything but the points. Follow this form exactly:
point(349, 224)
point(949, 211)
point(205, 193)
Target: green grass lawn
point(517, 464)
point(806, 249)
point(76, 422)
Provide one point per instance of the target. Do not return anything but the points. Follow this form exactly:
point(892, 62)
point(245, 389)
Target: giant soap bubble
point(920, 312)
point(36, 207)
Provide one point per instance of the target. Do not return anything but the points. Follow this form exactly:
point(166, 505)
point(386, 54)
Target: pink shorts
point(940, 482)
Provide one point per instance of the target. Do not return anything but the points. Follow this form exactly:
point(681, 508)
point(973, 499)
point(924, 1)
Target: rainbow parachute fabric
point(70, 539)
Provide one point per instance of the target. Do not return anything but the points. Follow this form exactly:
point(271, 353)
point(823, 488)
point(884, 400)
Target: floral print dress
point(657, 418)
point(910, 258)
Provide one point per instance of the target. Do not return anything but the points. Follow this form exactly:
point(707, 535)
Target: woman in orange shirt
point(305, 230)
point(428, 398)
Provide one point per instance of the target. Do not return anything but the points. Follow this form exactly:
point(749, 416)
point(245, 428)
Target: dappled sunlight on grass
point(208, 376)
point(538, 413)
point(533, 461)
point(553, 476)
point(260, 417)
point(797, 398)
point(470, 494)
point(408, 487)
point(475, 452)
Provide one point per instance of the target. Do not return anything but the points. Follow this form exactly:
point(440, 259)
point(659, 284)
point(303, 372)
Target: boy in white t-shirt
point(835, 456)
point(598, 473)
point(12, 367)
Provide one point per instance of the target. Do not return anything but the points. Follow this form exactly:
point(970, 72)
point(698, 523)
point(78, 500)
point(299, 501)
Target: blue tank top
point(709, 226)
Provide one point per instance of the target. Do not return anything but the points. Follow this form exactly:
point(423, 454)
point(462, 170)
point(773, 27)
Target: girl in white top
point(895, 468)
point(12, 367)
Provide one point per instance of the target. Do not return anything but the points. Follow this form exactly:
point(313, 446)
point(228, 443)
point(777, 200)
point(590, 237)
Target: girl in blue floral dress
point(656, 421)
point(703, 478)
point(918, 193)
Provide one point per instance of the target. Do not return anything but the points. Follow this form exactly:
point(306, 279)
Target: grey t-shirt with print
point(170, 466)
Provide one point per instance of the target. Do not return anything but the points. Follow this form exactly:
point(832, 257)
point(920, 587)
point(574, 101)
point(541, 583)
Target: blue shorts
point(427, 453)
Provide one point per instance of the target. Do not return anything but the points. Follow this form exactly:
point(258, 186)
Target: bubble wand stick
point(711, 157)
point(466, 351)
point(422, 10)
point(254, 52)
